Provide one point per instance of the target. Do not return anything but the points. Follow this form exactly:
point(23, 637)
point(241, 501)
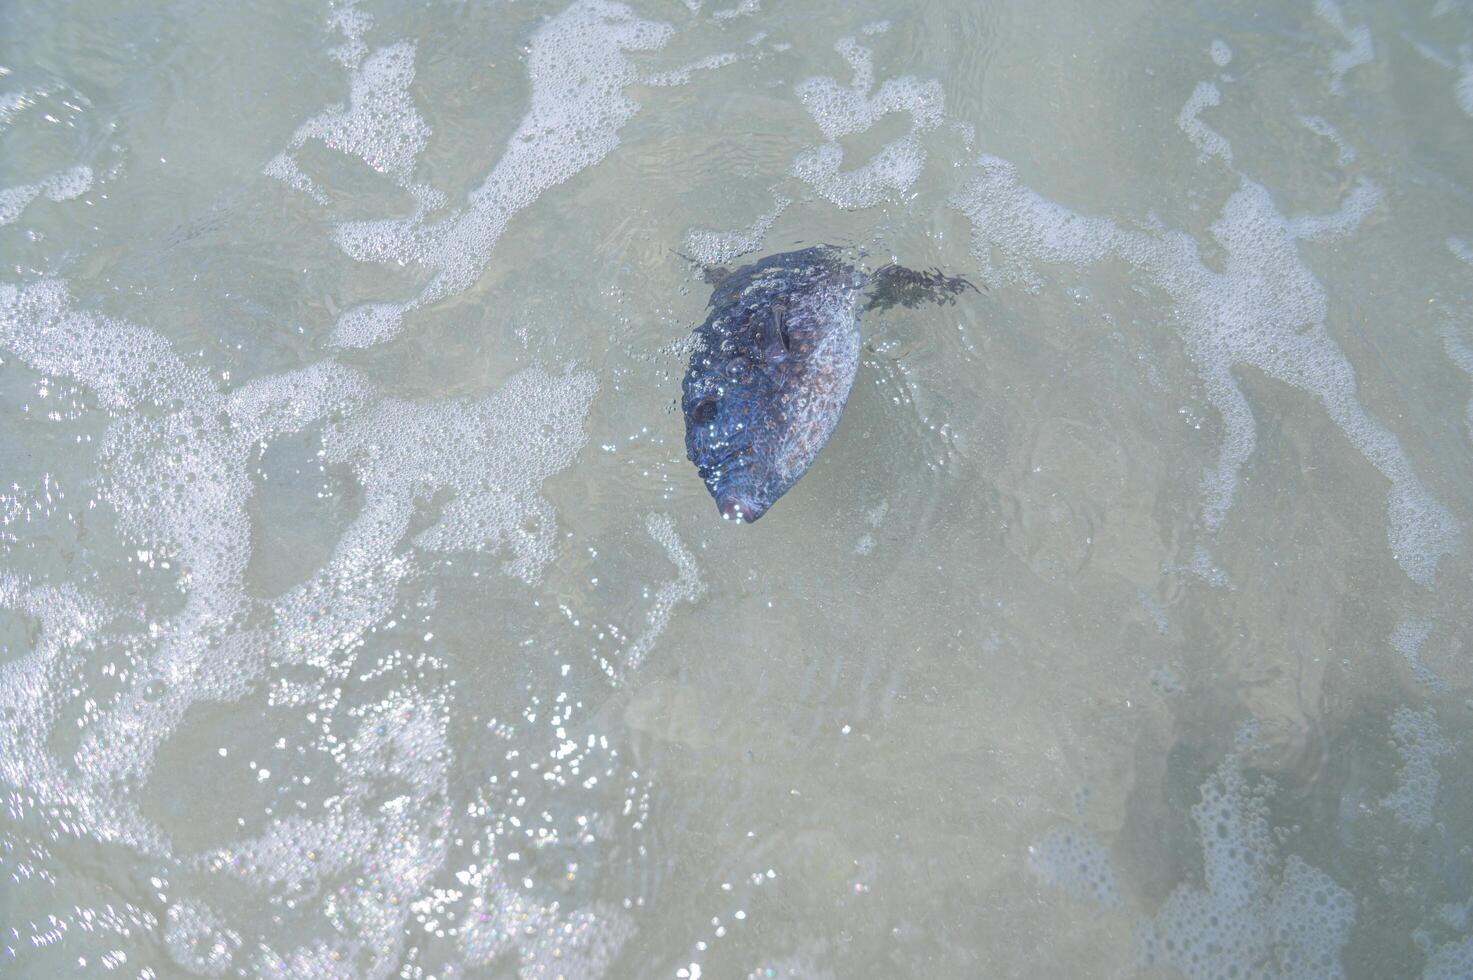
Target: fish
point(773, 365)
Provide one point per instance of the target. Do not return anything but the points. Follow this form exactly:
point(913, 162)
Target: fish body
point(772, 370)
point(773, 365)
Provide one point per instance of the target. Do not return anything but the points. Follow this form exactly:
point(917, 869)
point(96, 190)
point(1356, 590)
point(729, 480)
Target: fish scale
point(773, 366)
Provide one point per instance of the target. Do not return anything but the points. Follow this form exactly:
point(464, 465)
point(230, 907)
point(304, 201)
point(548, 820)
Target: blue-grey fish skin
point(773, 366)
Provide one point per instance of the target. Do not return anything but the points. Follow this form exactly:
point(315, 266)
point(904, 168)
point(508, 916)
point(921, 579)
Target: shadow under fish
point(774, 363)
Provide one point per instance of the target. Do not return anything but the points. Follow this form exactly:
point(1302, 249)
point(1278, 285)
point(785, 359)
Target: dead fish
point(774, 363)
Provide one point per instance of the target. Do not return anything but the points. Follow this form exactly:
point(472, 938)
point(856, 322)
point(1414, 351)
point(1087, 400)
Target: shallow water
point(362, 616)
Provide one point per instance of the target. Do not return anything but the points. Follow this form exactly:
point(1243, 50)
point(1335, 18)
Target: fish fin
point(775, 340)
point(895, 285)
point(711, 274)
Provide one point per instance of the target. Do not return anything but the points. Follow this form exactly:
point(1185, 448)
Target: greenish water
point(362, 616)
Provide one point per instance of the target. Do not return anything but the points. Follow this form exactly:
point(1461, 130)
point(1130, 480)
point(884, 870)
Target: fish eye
point(703, 412)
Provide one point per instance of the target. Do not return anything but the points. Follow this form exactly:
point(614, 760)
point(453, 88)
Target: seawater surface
point(360, 614)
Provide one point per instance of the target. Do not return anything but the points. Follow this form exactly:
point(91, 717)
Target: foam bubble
point(1210, 142)
point(198, 940)
point(682, 75)
point(1256, 907)
point(1463, 87)
point(69, 184)
point(685, 587)
point(389, 848)
point(716, 247)
point(345, 18)
point(1220, 52)
point(1320, 126)
point(1419, 742)
point(1407, 640)
point(494, 454)
point(744, 9)
point(1265, 309)
point(63, 185)
point(1360, 50)
point(1072, 860)
point(35, 687)
point(893, 169)
point(842, 110)
point(845, 110)
point(1461, 247)
point(1364, 197)
point(380, 124)
point(545, 942)
point(175, 473)
point(283, 167)
point(13, 201)
point(1450, 961)
point(124, 364)
point(54, 108)
point(578, 70)
point(388, 844)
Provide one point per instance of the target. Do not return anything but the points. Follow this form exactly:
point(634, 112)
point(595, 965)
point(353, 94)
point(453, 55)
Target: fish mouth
point(739, 507)
point(720, 468)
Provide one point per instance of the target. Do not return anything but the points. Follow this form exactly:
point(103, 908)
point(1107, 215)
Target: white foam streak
point(1364, 198)
point(685, 587)
point(175, 461)
point(1407, 639)
point(63, 185)
point(405, 736)
point(682, 75)
point(1321, 126)
point(1266, 309)
point(494, 453)
point(1360, 50)
point(1420, 744)
point(715, 247)
point(380, 125)
point(1210, 142)
point(578, 71)
point(33, 689)
point(844, 110)
point(744, 9)
point(1257, 907)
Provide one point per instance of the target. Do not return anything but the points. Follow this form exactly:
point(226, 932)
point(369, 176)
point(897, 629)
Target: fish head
point(732, 424)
